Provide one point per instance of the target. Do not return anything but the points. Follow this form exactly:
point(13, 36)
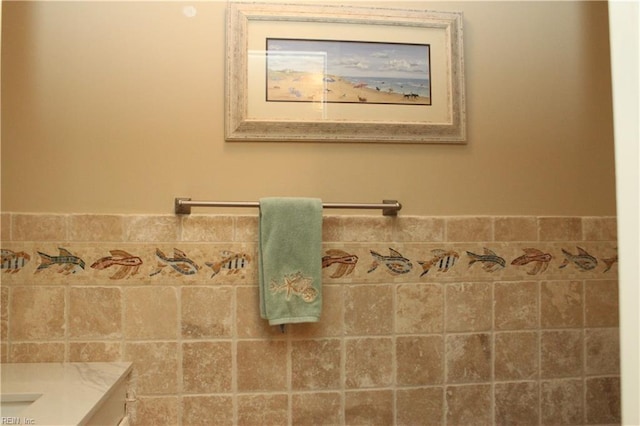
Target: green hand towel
point(290, 260)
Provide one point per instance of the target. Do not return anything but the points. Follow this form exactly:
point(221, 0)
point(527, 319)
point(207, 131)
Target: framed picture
point(343, 74)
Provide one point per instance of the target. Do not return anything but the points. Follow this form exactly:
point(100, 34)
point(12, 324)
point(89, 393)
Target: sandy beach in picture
point(309, 87)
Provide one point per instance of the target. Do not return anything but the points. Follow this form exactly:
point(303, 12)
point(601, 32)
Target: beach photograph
point(348, 72)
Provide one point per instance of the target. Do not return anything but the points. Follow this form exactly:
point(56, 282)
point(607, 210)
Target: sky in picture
point(353, 59)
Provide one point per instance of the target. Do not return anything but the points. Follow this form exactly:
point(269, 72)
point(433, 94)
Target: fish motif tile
point(346, 262)
point(65, 262)
point(179, 263)
point(126, 264)
point(538, 258)
point(490, 261)
point(582, 260)
point(395, 263)
point(13, 262)
point(443, 260)
point(609, 262)
point(231, 263)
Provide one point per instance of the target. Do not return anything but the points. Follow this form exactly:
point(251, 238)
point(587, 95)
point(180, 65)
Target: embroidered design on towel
point(395, 262)
point(179, 263)
point(443, 259)
point(491, 262)
point(129, 264)
point(540, 260)
point(347, 262)
point(67, 262)
point(13, 262)
point(231, 262)
point(296, 284)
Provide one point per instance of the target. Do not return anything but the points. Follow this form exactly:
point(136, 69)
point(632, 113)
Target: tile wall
point(490, 320)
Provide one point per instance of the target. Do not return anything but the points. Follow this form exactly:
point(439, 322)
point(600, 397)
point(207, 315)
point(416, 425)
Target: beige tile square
point(331, 228)
point(602, 351)
point(95, 351)
point(96, 227)
point(373, 407)
point(36, 352)
point(39, 227)
point(420, 360)
point(207, 228)
point(369, 362)
point(601, 303)
point(206, 367)
point(262, 409)
point(562, 402)
point(150, 313)
point(516, 356)
point(561, 353)
point(206, 312)
point(516, 228)
point(151, 228)
point(368, 309)
point(95, 312)
point(600, 228)
point(155, 366)
point(311, 409)
point(151, 411)
point(37, 313)
point(419, 308)
point(468, 307)
point(262, 365)
point(207, 410)
point(603, 400)
point(315, 364)
point(516, 305)
point(418, 229)
point(419, 406)
point(366, 228)
point(246, 229)
point(561, 304)
point(516, 403)
point(468, 405)
point(468, 358)
point(560, 228)
point(466, 229)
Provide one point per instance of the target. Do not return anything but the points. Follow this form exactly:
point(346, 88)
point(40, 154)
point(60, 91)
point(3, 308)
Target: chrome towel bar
point(388, 207)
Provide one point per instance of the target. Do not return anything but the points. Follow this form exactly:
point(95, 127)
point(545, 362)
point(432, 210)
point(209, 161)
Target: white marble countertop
point(71, 392)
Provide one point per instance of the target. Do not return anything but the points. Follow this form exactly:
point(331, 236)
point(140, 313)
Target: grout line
point(445, 354)
point(394, 351)
point(492, 371)
point(539, 352)
point(234, 356)
point(67, 322)
point(180, 354)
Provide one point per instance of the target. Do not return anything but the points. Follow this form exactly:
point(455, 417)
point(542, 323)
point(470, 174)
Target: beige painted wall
point(118, 108)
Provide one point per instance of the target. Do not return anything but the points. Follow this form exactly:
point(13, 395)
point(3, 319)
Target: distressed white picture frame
point(249, 117)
